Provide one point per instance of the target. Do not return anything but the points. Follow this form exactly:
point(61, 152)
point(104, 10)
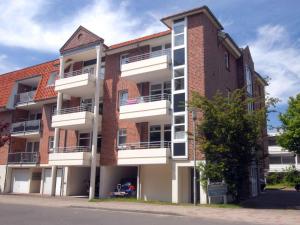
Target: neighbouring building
point(280, 159)
point(102, 113)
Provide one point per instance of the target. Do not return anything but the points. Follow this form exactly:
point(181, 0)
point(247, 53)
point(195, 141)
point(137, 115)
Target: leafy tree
point(228, 135)
point(290, 137)
point(4, 134)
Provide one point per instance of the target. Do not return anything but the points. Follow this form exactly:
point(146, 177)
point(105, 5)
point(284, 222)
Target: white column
point(138, 183)
point(203, 194)
point(95, 124)
point(175, 183)
point(56, 130)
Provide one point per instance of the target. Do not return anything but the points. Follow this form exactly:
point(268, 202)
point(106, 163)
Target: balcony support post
point(95, 124)
point(56, 130)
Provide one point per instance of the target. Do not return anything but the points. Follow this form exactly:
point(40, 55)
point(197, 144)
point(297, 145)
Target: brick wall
point(207, 72)
point(110, 121)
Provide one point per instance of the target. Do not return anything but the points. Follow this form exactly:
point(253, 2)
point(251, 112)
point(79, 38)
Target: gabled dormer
point(81, 38)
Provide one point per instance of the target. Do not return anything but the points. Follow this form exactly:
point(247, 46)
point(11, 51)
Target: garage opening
point(78, 183)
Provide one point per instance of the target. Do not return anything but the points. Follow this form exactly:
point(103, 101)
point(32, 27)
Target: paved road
point(11, 214)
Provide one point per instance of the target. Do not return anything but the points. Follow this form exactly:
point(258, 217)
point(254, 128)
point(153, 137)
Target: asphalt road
point(36, 215)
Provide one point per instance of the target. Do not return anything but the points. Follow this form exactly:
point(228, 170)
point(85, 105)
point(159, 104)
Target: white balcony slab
point(148, 111)
point(83, 85)
point(71, 159)
point(74, 121)
point(144, 156)
point(148, 70)
point(27, 134)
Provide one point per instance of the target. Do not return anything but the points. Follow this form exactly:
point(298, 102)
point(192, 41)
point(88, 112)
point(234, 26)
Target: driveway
point(275, 199)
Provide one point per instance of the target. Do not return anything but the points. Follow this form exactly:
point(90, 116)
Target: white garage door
point(47, 182)
point(20, 180)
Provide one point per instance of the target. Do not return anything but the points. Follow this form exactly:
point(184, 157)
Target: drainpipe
point(95, 124)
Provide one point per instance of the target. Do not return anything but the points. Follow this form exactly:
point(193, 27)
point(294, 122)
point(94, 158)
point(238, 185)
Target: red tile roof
point(8, 80)
point(145, 38)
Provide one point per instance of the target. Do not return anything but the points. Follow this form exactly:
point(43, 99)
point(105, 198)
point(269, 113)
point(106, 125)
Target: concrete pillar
point(138, 183)
point(203, 194)
point(56, 130)
point(175, 183)
point(95, 124)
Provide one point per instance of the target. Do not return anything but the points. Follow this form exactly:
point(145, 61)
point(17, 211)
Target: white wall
point(78, 180)
point(110, 176)
point(2, 177)
point(156, 182)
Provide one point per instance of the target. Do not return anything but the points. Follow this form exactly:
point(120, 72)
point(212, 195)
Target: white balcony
point(75, 118)
point(154, 108)
point(72, 156)
point(26, 129)
point(144, 153)
point(149, 67)
point(78, 84)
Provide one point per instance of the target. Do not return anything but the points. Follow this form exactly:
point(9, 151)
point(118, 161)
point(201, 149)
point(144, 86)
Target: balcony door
point(155, 136)
point(32, 146)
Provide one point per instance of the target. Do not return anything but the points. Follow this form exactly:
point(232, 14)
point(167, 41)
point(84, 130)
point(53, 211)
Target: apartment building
point(100, 114)
point(279, 158)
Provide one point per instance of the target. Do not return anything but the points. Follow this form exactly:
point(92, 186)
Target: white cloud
point(20, 25)
point(277, 56)
point(5, 65)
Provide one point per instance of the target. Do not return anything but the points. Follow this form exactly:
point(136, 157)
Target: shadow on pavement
point(274, 199)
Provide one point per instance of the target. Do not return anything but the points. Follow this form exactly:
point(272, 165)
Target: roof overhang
point(230, 44)
point(261, 79)
point(204, 9)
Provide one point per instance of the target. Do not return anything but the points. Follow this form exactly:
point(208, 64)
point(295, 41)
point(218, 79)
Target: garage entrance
point(20, 181)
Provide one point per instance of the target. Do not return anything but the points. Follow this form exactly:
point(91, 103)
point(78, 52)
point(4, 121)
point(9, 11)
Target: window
point(167, 87)
point(84, 140)
point(87, 103)
point(53, 109)
point(155, 89)
point(52, 78)
point(179, 79)
point(89, 70)
point(167, 132)
point(32, 146)
point(178, 33)
point(226, 60)
point(123, 97)
point(249, 83)
point(179, 149)
point(282, 159)
point(51, 144)
point(156, 48)
point(155, 134)
point(168, 45)
point(179, 58)
point(99, 143)
point(122, 134)
point(124, 59)
point(179, 125)
point(250, 106)
point(179, 102)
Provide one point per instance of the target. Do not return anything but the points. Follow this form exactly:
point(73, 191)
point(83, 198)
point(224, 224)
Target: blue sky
point(31, 32)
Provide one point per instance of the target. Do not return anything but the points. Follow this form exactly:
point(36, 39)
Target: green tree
point(290, 136)
point(228, 135)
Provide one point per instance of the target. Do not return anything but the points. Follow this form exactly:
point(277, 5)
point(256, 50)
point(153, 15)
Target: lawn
point(279, 186)
point(134, 200)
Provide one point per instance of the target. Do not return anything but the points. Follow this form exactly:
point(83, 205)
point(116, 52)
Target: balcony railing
point(144, 99)
point(82, 108)
point(78, 72)
point(145, 145)
point(23, 158)
point(70, 149)
point(148, 55)
point(24, 97)
point(26, 126)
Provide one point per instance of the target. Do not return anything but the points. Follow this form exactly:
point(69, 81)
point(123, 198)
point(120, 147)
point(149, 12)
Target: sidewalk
point(255, 216)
